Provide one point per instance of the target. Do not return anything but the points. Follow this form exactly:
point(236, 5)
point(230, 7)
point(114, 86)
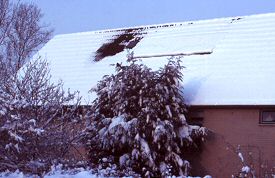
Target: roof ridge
point(168, 24)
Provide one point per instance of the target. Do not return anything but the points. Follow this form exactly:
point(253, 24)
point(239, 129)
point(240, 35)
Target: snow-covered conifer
point(139, 119)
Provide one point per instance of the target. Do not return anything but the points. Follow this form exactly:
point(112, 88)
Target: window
point(267, 117)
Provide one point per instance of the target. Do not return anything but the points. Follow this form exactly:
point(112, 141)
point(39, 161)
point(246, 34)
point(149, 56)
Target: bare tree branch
point(21, 33)
point(39, 121)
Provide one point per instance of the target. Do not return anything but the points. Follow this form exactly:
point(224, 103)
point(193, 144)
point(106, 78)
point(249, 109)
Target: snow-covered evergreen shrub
point(139, 120)
point(35, 126)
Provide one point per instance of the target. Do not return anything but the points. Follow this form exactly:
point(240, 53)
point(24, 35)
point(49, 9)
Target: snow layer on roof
point(239, 71)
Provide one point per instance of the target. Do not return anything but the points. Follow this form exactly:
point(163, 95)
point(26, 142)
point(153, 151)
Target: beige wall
point(230, 128)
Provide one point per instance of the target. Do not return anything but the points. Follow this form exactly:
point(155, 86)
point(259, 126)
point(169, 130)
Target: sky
point(70, 16)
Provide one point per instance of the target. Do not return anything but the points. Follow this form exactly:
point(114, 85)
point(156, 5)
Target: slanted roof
point(239, 71)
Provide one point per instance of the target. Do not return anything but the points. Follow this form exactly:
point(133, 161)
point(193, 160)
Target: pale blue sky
point(68, 16)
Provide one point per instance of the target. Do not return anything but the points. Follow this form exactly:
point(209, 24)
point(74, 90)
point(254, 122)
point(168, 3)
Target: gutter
point(175, 54)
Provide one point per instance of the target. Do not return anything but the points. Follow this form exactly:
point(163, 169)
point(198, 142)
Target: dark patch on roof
point(128, 39)
point(235, 19)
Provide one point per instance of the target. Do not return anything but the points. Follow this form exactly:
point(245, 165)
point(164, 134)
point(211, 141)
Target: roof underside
point(237, 69)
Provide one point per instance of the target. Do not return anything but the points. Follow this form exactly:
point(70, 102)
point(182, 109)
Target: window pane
point(268, 116)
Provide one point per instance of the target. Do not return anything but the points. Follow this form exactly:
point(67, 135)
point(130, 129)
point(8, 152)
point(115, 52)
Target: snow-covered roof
point(239, 69)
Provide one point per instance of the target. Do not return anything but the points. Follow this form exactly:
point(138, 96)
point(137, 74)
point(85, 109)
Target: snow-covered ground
point(80, 173)
point(59, 174)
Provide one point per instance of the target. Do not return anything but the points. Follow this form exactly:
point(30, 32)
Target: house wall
point(228, 129)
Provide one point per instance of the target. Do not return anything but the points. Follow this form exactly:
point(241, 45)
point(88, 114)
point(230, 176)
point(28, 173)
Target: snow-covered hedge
point(35, 127)
point(138, 120)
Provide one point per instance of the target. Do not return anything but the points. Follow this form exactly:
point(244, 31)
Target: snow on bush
point(247, 169)
point(35, 127)
point(138, 120)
